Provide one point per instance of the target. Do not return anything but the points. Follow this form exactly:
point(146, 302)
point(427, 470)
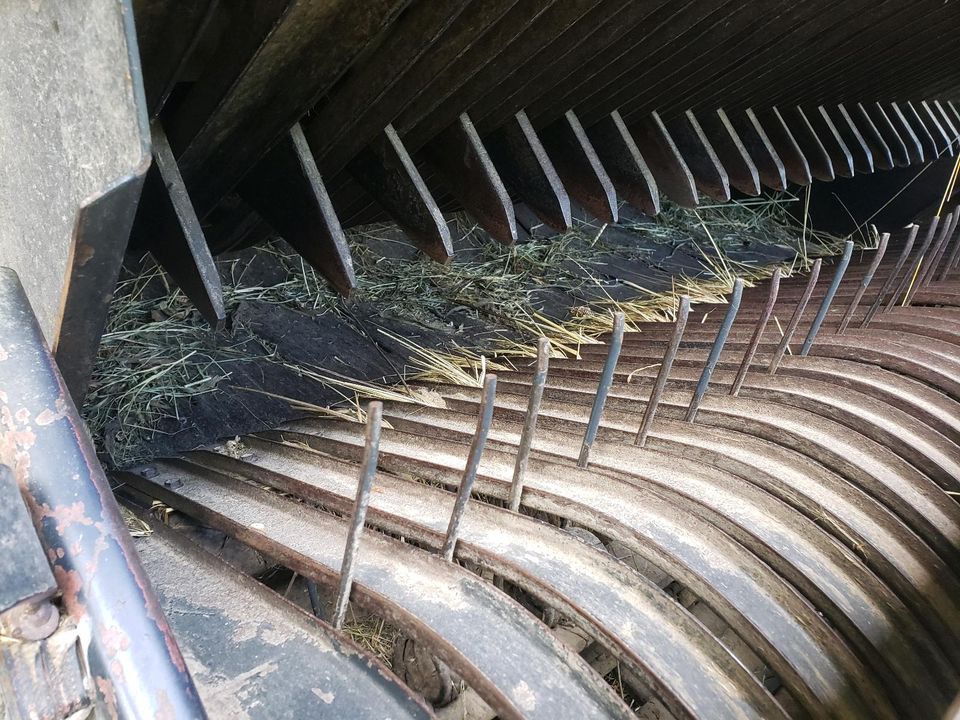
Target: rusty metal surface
point(276, 662)
point(127, 643)
point(440, 603)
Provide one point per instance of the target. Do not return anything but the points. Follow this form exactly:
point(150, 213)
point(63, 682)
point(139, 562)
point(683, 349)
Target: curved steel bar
point(137, 668)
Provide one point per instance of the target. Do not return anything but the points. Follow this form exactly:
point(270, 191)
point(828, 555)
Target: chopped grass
point(157, 353)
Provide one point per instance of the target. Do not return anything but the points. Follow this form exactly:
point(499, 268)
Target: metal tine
point(530, 422)
point(603, 388)
point(954, 256)
point(865, 283)
point(757, 333)
point(828, 299)
point(368, 469)
point(795, 319)
point(908, 276)
point(936, 252)
point(314, 594)
point(892, 277)
point(931, 274)
point(683, 312)
point(473, 463)
point(732, 309)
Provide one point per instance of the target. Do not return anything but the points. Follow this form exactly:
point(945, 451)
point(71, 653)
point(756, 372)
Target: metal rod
point(683, 312)
point(530, 422)
point(931, 272)
point(905, 281)
point(864, 283)
point(314, 594)
point(827, 299)
point(954, 256)
point(603, 388)
point(935, 254)
point(473, 464)
point(368, 468)
point(732, 309)
point(892, 277)
point(757, 333)
point(795, 319)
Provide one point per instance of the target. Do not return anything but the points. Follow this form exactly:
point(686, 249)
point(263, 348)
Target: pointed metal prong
point(286, 190)
point(910, 277)
point(757, 333)
point(663, 374)
point(465, 165)
point(525, 167)
point(314, 595)
point(385, 169)
point(827, 299)
point(473, 464)
point(864, 284)
point(795, 318)
point(951, 262)
point(892, 277)
point(603, 388)
point(167, 225)
point(530, 422)
point(368, 468)
point(943, 243)
point(732, 309)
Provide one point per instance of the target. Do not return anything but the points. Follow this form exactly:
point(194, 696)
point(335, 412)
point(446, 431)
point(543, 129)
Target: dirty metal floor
point(813, 511)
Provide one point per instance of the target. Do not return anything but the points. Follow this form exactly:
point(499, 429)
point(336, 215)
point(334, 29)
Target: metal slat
point(708, 173)
point(286, 189)
point(450, 609)
point(810, 144)
point(388, 173)
point(585, 584)
point(579, 167)
point(671, 173)
point(528, 171)
point(624, 164)
point(468, 172)
point(277, 660)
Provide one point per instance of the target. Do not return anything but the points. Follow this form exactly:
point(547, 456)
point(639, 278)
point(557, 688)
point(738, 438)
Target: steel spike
point(795, 319)
point(827, 299)
point(683, 312)
point(757, 333)
point(368, 469)
point(732, 309)
point(530, 421)
point(892, 277)
point(864, 283)
point(473, 463)
point(606, 379)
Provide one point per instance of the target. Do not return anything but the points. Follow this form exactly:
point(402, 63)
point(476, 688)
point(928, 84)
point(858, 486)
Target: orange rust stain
point(109, 697)
point(49, 416)
point(70, 584)
point(67, 515)
point(165, 709)
point(4, 355)
point(22, 416)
